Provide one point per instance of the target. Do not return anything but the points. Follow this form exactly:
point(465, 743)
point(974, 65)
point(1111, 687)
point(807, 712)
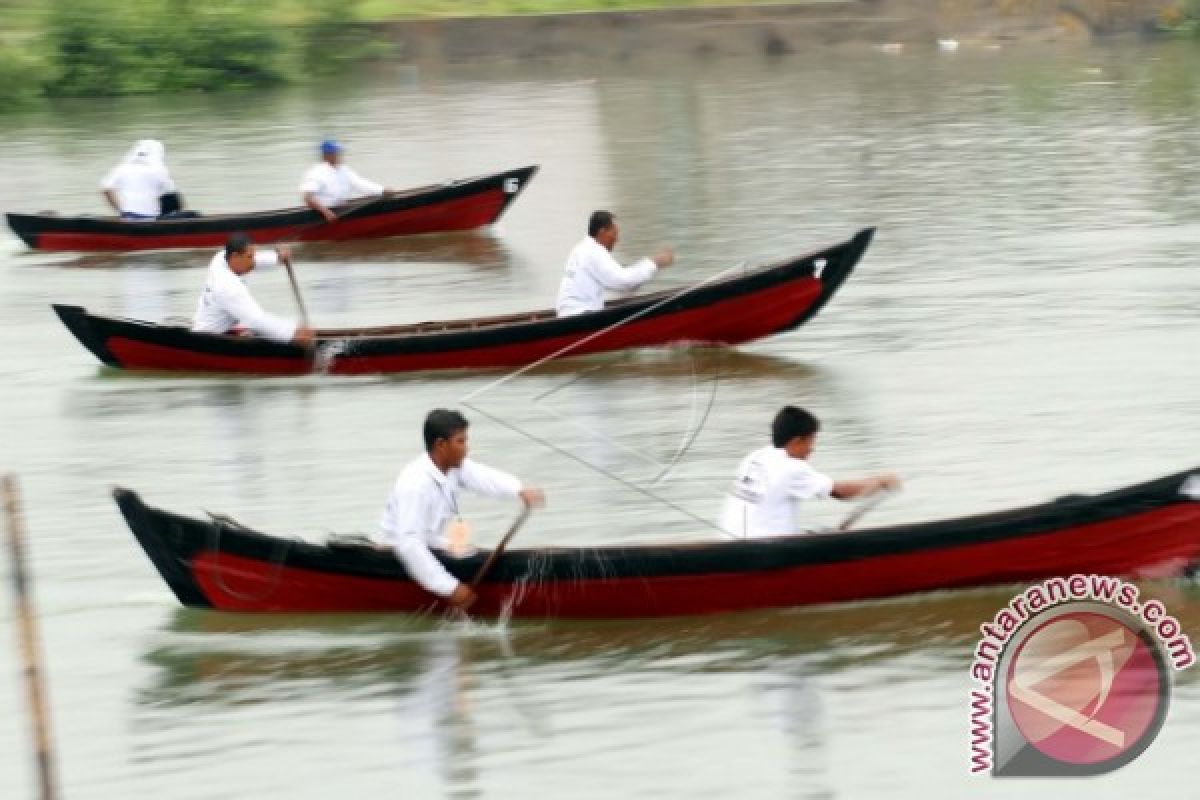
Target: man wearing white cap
point(134, 186)
point(331, 183)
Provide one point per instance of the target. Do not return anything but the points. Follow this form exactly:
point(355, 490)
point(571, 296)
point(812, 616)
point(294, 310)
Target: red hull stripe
point(732, 321)
point(1157, 543)
point(464, 213)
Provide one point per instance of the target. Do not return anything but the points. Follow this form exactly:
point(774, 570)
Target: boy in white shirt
point(773, 481)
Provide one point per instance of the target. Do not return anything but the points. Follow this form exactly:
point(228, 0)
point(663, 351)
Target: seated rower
point(226, 303)
point(422, 510)
point(591, 269)
point(772, 481)
point(134, 187)
point(332, 183)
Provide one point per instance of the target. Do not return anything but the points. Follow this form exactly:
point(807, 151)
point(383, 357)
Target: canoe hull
point(1149, 531)
point(740, 309)
point(458, 206)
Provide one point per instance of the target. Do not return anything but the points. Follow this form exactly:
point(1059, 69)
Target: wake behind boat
point(454, 206)
point(737, 309)
point(1148, 530)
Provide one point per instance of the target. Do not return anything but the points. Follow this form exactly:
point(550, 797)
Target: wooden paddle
point(294, 236)
point(287, 263)
point(499, 551)
point(867, 505)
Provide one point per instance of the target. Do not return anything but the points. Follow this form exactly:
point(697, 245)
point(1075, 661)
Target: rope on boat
point(691, 433)
point(466, 401)
point(607, 473)
point(619, 323)
point(278, 556)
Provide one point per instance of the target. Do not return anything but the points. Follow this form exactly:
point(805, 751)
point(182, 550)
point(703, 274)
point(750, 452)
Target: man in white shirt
point(134, 186)
point(422, 511)
point(332, 183)
point(772, 482)
point(226, 303)
point(591, 269)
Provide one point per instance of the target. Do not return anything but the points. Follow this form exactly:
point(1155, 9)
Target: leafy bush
point(21, 78)
point(105, 48)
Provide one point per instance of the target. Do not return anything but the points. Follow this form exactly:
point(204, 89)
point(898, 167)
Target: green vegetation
point(160, 45)
point(69, 48)
point(100, 47)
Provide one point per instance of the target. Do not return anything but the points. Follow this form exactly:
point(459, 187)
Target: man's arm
point(362, 185)
point(309, 188)
point(165, 182)
point(242, 307)
point(111, 197)
point(847, 489)
point(612, 276)
point(492, 482)
point(310, 200)
point(108, 188)
point(401, 523)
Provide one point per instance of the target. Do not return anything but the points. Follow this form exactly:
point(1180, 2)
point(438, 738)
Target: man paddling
point(422, 511)
point(773, 481)
point(591, 269)
point(226, 304)
point(332, 183)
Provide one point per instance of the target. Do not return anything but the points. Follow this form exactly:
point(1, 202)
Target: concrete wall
point(775, 30)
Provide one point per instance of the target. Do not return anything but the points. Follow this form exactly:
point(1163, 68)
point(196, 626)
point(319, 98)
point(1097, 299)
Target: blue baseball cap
point(330, 146)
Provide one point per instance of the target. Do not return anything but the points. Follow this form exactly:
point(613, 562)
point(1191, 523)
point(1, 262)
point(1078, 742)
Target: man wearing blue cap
point(332, 183)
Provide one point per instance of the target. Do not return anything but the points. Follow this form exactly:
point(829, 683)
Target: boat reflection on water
point(160, 260)
point(480, 248)
point(458, 692)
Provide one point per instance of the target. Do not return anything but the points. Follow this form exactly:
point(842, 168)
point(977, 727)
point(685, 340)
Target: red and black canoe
point(1151, 530)
point(455, 206)
point(737, 309)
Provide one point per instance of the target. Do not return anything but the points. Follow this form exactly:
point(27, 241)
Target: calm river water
point(1025, 325)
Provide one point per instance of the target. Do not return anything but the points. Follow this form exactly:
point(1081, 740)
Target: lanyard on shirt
point(447, 494)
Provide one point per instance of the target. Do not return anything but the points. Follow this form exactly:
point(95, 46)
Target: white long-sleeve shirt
point(590, 270)
point(226, 302)
point(422, 502)
point(767, 493)
point(140, 179)
point(335, 185)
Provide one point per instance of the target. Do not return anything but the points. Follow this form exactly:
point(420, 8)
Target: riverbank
point(770, 29)
point(94, 48)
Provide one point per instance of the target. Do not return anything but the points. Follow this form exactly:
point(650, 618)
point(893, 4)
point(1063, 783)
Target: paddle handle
point(287, 263)
point(858, 513)
point(499, 551)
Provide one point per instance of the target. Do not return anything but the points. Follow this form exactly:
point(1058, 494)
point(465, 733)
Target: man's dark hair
point(599, 221)
point(792, 422)
point(237, 243)
point(442, 424)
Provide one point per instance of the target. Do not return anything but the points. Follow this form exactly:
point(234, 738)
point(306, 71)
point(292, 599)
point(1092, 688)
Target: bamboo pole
point(27, 635)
